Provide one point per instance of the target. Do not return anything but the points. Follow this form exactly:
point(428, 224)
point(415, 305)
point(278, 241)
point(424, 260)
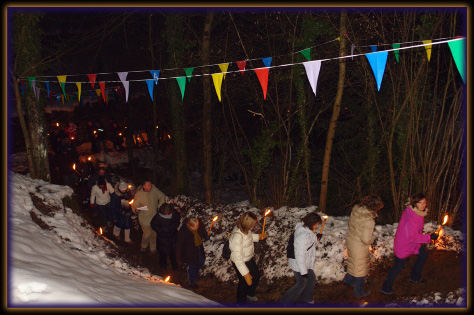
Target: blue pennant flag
point(267, 61)
point(150, 87)
point(373, 48)
point(156, 75)
point(378, 61)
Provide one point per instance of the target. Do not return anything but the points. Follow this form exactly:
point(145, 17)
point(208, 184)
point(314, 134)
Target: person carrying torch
point(359, 238)
point(408, 240)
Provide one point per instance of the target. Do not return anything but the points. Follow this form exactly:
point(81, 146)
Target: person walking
point(148, 195)
point(100, 202)
point(165, 224)
point(190, 248)
point(121, 211)
point(359, 238)
point(408, 241)
point(302, 265)
point(242, 250)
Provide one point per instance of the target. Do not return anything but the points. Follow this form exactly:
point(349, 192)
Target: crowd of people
point(117, 204)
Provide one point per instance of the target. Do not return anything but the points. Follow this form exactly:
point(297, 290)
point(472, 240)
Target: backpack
point(226, 249)
point(290, 248)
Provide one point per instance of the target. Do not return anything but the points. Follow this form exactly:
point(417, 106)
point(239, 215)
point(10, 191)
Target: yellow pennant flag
point(217, 79)
point(428, 48)
point(62, 82)
point(79, 90)
point(224, 67)
point(97, 91)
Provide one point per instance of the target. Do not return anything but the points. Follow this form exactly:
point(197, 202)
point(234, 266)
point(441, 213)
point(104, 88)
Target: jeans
point(194, 269)
point(243, 289)
point(303, 289)
point(398, 266)
point(105, 215)
point(358, 283)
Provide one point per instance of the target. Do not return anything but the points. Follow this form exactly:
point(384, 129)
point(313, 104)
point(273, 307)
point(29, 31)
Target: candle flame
point(445, 219)
point(167, 279)
point(268, 211)
point(72, 138)
point(57, 124)
point(88, 158)
point(129, 186)
point(325, 217)
point(120, 133)
point(215, 218)
point(100, 230)
point(74, 166)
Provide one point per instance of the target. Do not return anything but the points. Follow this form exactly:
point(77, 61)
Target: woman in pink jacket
point(408, 240)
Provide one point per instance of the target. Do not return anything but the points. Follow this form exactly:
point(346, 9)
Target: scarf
point(419, 212)
point(197, 237)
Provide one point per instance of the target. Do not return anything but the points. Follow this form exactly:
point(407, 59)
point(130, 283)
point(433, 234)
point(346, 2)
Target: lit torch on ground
point(325, 217)
point(265, 218)
point(213, 220)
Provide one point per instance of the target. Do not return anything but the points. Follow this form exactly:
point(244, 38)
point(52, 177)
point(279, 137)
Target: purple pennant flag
point(378, 61)
point(123, 76)
point(312, 71)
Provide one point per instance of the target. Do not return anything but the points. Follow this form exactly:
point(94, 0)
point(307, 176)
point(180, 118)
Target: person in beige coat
point(359, 238)
point(150, 196)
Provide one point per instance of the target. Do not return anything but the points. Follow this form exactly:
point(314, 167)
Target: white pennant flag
point(312, 71)
point(123, 76)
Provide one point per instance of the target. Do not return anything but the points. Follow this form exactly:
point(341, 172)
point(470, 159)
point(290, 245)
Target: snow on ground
point(69, 264)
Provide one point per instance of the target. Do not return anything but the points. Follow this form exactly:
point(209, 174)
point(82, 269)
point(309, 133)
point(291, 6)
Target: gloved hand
point(305, 276)
point(262, 236)
point(92, 205)
point(434, 236)
point(319, 235)
point(248, 279)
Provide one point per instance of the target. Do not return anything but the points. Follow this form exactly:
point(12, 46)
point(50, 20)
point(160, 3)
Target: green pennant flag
point(62, 82)
point(182, 85)
point(31, 79)
point(306, 53)
point(188, 72)
point(459, 54)
point(395, 46)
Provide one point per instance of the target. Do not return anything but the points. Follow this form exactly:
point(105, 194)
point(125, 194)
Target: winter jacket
point(186, 252)
point(409, 235)
point(99, 197)
point(152, 199)
point(358, 240)
point(119, 201)
point(242, 248)
point(305, 249)
point(166, 228)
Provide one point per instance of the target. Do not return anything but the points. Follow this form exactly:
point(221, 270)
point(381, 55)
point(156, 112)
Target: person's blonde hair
point(246, 221)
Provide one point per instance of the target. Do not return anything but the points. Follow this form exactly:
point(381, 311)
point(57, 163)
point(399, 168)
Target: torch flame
point(88, 158)
point(215, 218)
point(131, 201)
point(445, 219)
point(57, 124)
point(325, 217)
point(167, 279)
point(100, 230)
point(74, 166)
point(129, 186)
point(268, 212)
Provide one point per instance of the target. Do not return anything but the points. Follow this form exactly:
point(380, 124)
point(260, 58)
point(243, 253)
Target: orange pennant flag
point(262, 74)
point(92, 78)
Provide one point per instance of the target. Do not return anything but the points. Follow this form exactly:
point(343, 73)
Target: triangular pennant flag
point(217, 79)
point(182, 85)
point(92, 78)
point(306, 53)
point(47, 86)
point(428, 48)
point(352, 50)
point(38, 94)
point(102, 89)
point(339, 38)
point(312, 71)
point(150, 87)
point(126, 84)
point(395, 46)
point(188, 72)
point(223, 67)
point(458, 50)
point(97, 91)
point(62, 82)
point(378, 61)
point(155, 74)
point(373, 48)
point(267, 61)
point(78, 90)
point(241, 65)
point(22, 84)
point(262, 74)
point(31, 79)
point(33, 86)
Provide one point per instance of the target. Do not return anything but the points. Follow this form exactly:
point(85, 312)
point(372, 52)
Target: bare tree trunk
point(335, 115)
point(207, 111)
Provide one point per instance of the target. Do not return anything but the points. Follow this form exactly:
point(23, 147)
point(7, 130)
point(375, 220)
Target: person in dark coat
point(64, 161)
point(101, 137)
point(91, 135)
point(190, 249)
point(121, 211)
point(117, 137)
point(165, 223)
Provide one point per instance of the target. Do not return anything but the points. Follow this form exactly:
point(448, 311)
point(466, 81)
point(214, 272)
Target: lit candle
point(325, 217)
point(74, 168)
point(100, 230)
point(264, 219)
point(130, 203)
point(215, 218)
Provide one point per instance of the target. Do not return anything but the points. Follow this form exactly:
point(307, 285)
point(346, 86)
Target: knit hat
point(123, 186)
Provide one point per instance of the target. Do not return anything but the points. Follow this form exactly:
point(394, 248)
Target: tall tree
point(27, 62)
point(335, 114)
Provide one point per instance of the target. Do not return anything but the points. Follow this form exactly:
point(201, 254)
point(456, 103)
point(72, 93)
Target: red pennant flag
point(262, 74)
point(102, 89)
point(51, 97)
point(92, 78)
point(241, 65)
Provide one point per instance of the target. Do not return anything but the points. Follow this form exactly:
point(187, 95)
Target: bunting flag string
point(378, 61)
point(217, 79)
point(262, 74)
point(182, 85)
point(428, 48)
point(458, 50)
point(312, 71)
point(78, 90)
point(223, 67)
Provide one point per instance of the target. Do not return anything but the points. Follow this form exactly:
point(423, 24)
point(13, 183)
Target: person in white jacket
point(100, 198)
point(303, 263)
point(241, 245)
